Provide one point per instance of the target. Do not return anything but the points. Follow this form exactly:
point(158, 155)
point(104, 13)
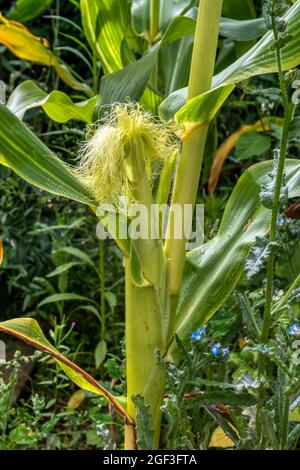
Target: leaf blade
point(29, 331)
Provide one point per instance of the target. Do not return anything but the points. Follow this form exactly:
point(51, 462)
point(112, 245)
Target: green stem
point(143, 338)
point(288, 116)
point(102, 288)
point(189, 168)
point(285, 421)
point(144, 306)
point(154, 19)
point(285, 298)
point(273, 228)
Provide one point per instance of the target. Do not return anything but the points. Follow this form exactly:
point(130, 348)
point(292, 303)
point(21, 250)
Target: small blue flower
point(216, 349)
point(197, 335)
point(225, 351)
point(280, 220)
point(294, 330)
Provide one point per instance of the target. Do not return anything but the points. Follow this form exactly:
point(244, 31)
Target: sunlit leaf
point(35, 163)
point(57, 105)
point(219, 439)
point(104, 23)
point(23, 44)
point(28, 330)
point(260, 59)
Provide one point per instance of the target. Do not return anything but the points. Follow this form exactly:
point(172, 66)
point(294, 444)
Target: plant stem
point(285, 298)
point(273, 228)
point(189, 168)
point(143, 338)
point(288, 116)
point(154, 19)
point(285, 421)
point(102, 288)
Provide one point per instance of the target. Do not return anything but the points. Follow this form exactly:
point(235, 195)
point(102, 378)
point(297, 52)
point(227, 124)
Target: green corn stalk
point(153, 270)
point(147, 307)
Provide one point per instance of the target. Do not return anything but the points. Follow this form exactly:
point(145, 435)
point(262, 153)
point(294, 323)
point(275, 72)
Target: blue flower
point(294, 330)
point(197, 335)
point(216, 349)
point(225, 351)
point(280, 220)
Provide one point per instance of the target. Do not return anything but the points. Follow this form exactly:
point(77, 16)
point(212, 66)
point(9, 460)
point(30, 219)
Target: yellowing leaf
point(76, 399)
point(295, 415)
point(219, 439)
point(222, 153)
point(28, 330)
point(23, 44)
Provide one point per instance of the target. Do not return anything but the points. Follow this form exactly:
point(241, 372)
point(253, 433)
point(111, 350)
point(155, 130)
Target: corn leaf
point(105, 23)
point(235, 30)
point(28, 330)
point(57, 105)
point(35, 163)
point(260, 59)
point(239, 10)
point(140, 14)
point(130, 82)
point(26, 10)
point(23, 44)
point(213, 270)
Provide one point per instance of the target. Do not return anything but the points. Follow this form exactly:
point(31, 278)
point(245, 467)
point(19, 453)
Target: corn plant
point(152, 152)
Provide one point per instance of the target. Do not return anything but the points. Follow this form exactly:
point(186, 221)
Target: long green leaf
point(236, 30)
point(26, 10)
point(57, 105)
point(140, 14)
point(260, 59)
point(28, 330)
point(35, 163)
point(105, 23)
point(213, 270)
point(130, 82)
point(239, 10)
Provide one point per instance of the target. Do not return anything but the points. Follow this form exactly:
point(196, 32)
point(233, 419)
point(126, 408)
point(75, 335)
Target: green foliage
point(53, 270)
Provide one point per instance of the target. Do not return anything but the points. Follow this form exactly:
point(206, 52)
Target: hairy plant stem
point(273, 228)
point(285, 421)
point(288, 116)
point(189, 167)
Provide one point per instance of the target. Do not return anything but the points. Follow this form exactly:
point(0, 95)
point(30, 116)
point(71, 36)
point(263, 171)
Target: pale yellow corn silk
point(128, 142)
